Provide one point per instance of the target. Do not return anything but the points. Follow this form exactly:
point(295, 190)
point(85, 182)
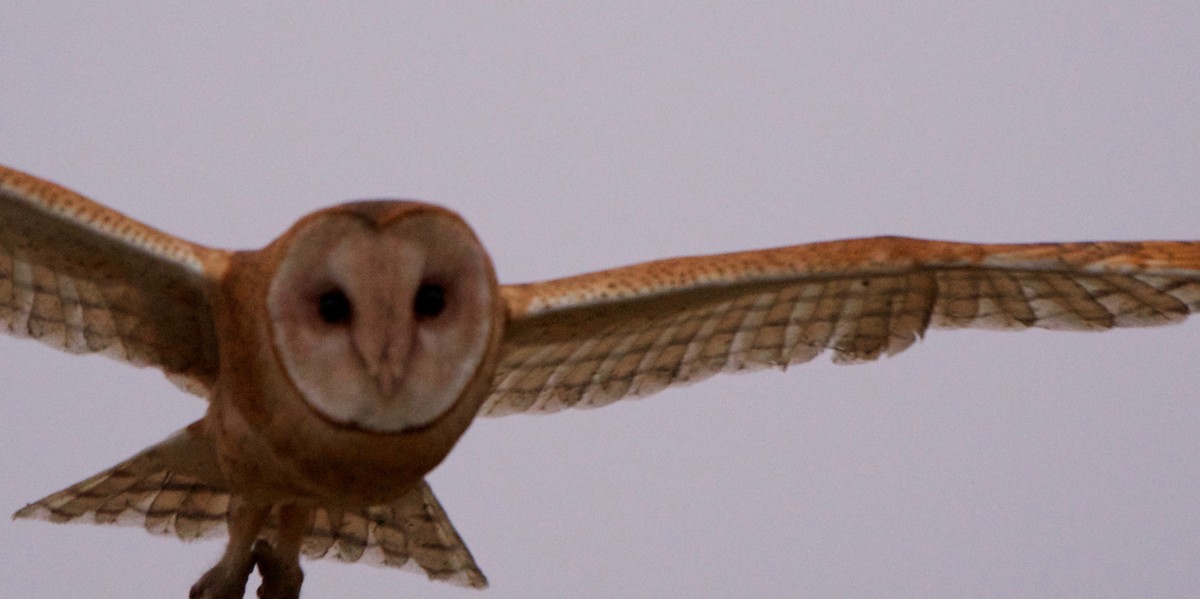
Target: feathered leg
point(280, 565)
point(227, 579)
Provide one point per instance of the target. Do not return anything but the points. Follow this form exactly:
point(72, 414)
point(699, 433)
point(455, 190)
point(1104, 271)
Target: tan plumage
point(83, 278)
point(593, 339)
point(344, 360)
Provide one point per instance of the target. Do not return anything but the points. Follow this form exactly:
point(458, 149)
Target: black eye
point(430, 300)
point(334, 307)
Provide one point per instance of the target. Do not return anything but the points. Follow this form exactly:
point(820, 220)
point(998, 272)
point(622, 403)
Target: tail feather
point(412, 533)
point(155, 489)
point(174, 488)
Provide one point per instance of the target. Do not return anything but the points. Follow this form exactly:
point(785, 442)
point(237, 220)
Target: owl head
point(382, 312)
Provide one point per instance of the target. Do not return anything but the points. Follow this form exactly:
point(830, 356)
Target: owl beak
point(384, 349)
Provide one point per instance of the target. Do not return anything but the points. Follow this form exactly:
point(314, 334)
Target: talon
point(264, 557)
point(223, 581)
point(280, 579)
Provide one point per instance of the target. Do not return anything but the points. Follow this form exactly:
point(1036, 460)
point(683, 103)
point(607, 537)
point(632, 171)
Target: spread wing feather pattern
point(589, 340)
point(411, 533)
point(87, 279)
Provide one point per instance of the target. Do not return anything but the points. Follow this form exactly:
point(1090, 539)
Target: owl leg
point(227, 579)
point(280, 565)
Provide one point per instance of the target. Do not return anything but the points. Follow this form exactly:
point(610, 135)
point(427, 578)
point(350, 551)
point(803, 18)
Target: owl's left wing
point(176, 488)
point(589, 340)
point(84, 278)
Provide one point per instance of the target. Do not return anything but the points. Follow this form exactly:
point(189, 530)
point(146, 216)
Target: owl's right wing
point(84, 278)
point(176, 488)
point(589, 340)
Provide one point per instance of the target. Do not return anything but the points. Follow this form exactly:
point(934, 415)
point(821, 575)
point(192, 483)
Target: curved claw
point(282, 578)
point(222, 581)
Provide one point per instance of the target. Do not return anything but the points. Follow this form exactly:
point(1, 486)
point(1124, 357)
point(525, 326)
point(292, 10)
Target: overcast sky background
point(575, 137)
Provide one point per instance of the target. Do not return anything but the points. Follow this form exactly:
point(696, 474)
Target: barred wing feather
point(412, 533)
point(589, 340)
point(87, 279)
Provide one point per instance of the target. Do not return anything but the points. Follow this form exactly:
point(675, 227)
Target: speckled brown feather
point(411, 533)
point(174, 487)
point(182, 500)
point(592, 339)
point(84, 278)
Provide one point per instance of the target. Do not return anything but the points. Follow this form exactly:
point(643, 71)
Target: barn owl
point(342, 362)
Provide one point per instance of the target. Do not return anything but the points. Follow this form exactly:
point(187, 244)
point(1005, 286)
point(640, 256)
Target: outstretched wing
point(83, 278)
point(412, 533)
point(173, 487)
point(589, 340)
point(176, 488)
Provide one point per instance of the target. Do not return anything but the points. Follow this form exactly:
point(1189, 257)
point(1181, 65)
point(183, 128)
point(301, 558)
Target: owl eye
point(430, 300)
point(334, 307)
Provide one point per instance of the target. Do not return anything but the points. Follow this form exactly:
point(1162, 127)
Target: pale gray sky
point(575, 137)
